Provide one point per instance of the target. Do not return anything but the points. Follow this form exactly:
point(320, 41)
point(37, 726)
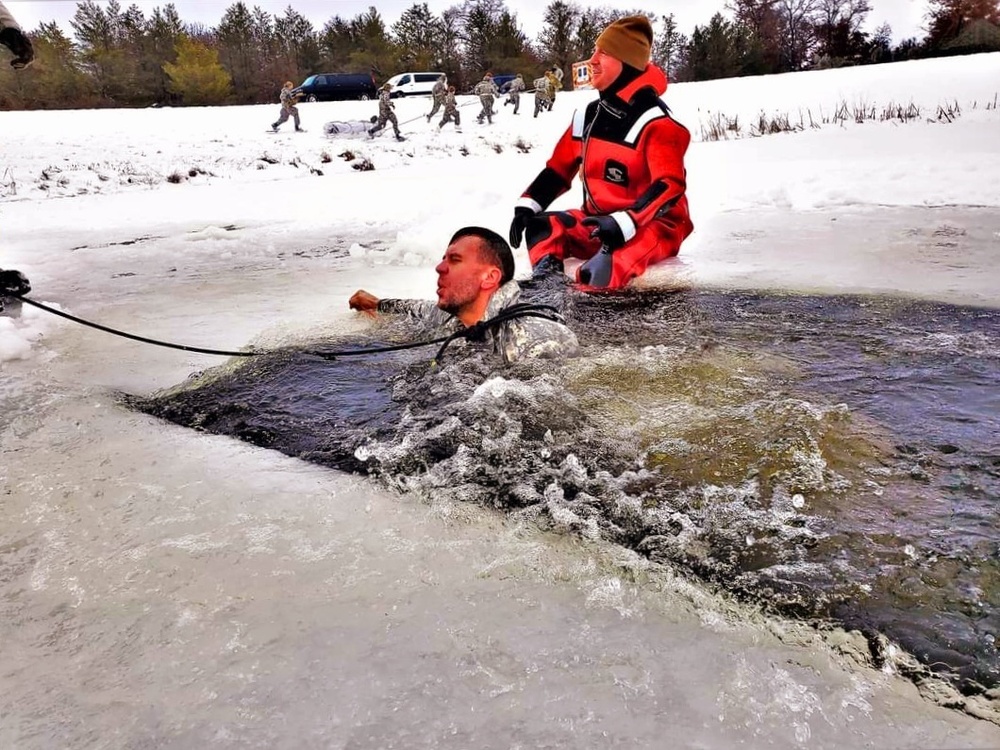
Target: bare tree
point(798, 38)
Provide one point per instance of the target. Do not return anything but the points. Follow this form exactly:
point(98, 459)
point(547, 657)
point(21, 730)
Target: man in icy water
point(15, 40)
point(476, 283)
point(629, 153)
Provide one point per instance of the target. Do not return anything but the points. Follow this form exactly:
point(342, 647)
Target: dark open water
point(833, 458)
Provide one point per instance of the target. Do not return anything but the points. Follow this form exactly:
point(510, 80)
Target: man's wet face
point(461, 274)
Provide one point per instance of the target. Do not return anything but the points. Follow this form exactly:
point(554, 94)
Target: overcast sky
point(905, 16)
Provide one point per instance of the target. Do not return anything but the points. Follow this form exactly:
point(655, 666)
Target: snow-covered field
point(161, 587)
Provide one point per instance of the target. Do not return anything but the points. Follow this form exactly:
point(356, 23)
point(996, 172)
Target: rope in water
point(473, 332)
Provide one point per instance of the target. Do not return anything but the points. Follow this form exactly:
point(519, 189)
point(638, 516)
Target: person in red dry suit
point(629, 152)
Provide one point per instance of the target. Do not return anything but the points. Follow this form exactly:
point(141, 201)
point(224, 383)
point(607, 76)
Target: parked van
point(327, 87)
point(411, 84)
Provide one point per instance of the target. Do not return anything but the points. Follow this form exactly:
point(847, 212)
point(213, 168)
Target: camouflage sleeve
point(421, 309)
point(6, 19)
point(537, 337)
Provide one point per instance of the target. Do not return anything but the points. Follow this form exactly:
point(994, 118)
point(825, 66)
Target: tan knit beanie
point(628, 39)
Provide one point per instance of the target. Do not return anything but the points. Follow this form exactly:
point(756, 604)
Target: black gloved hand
point(596, 272)
point(522, 215)
point(607, 229)
point(15, 40)
point(14, 283)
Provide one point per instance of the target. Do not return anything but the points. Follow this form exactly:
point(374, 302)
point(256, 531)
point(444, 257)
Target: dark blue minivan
point(328, 87)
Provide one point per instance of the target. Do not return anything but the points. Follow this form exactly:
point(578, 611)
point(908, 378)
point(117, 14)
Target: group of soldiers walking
point(443, 94)
point(544, 88)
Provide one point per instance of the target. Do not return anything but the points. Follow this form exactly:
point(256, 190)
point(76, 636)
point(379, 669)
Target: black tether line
point(521, 310)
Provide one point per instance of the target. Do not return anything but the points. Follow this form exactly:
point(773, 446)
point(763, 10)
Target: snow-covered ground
point(162, 587)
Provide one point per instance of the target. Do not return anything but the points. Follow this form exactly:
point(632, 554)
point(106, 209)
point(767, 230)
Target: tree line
point(118, 56)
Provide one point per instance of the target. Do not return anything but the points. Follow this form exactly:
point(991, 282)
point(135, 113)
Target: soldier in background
point(543, 95)
point(514, 92)
point(288, 108)
point(486, 90)
point(555, 84)
point(15, 40)
point(385, 113)
point(451, 113)
point(438, 92)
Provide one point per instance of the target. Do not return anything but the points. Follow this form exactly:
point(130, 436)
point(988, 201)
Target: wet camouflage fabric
point(513, 340)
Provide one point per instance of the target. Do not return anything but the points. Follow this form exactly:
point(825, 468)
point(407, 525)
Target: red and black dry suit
point(632, 154)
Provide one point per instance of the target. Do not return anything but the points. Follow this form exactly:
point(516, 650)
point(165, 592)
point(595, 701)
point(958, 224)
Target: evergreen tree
point(98, 32)
point(713, 52)
point(336, 41)
point(418, 38)
point(760, 27)
point(163, 29)
point(240, 52)
point(55, 79)
point(296, 44)
point(373, 49)
point(669, 47)
point(197, 77)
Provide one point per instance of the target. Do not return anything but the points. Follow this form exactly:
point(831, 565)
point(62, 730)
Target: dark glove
point(15, 40)
point(607, 229)
point(596, 272)
point(522, 215)
point(14, 283)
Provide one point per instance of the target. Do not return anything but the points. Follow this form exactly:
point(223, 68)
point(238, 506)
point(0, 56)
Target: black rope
point(478, 330)
point(143, 339)
point(473, 332)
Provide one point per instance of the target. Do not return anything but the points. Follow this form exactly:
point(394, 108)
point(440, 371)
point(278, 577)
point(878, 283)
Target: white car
point(412, 84)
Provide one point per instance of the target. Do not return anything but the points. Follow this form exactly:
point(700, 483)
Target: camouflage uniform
point(12, 37)
point(555, 83)
point(288, 101)
point(438, 92)
point(450, 111)
point(385, 114)
point(514, 93)
point(543, 97)
point(513, 340)
point(486, 90)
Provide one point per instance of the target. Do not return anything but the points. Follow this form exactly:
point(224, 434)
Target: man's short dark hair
point(493, 249)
